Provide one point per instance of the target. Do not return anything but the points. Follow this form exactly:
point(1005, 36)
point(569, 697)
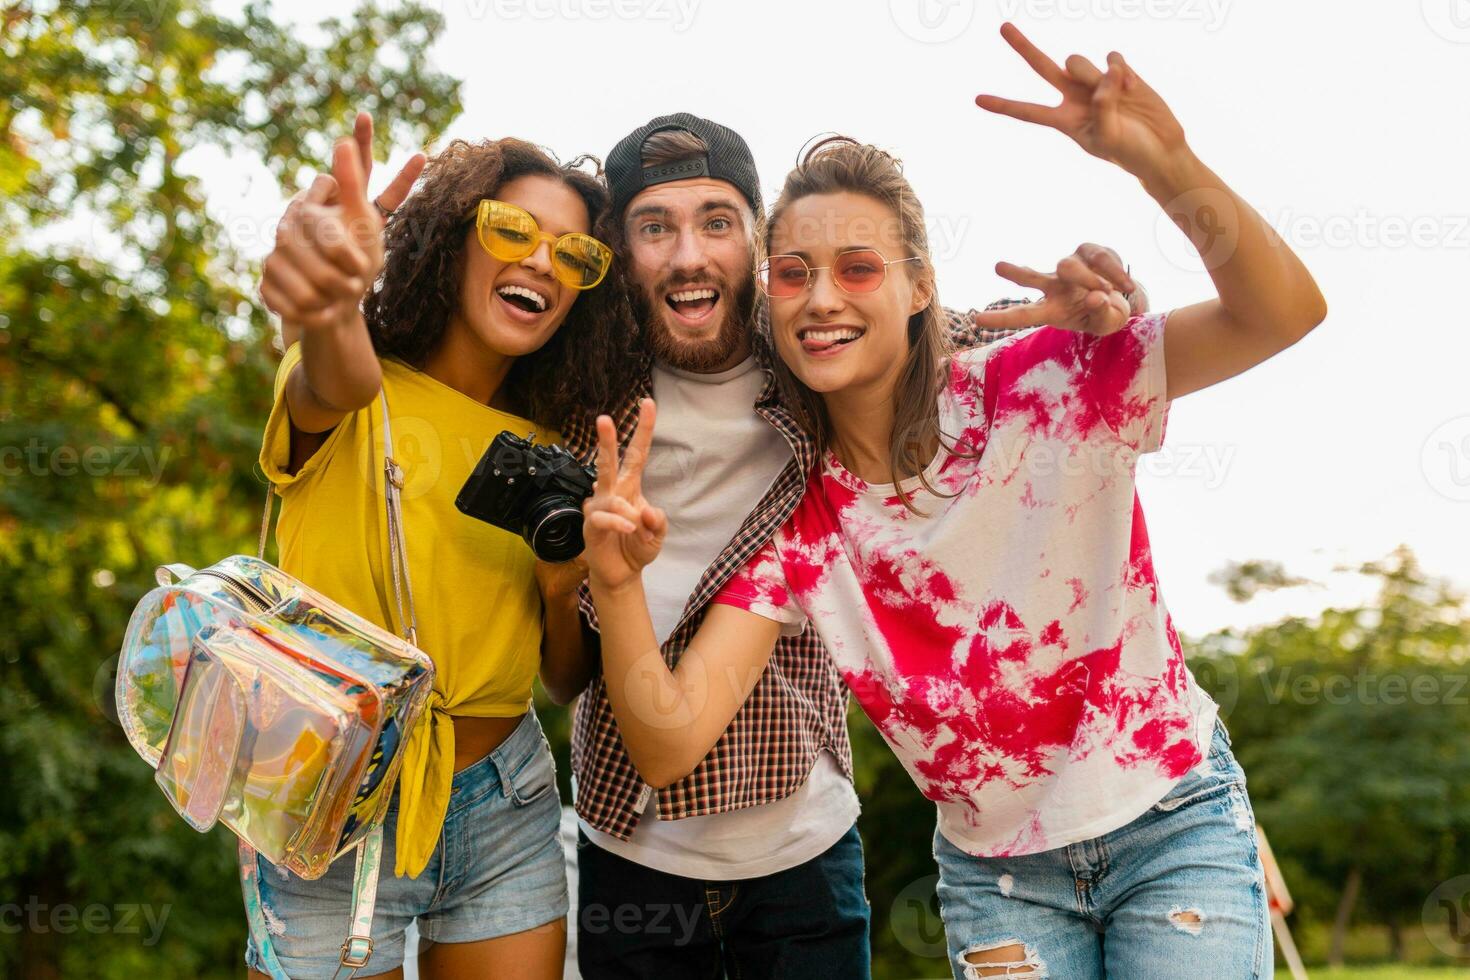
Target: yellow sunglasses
point(510, 234)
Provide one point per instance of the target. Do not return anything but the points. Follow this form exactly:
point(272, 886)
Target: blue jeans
point(1177, 892)
point(809, 922)
point(498, 870)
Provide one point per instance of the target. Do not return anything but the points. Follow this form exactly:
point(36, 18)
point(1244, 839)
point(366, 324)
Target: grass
point(1390, 972)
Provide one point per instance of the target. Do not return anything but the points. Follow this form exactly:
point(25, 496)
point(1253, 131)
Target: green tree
point(1352, 727)
point(135, 372)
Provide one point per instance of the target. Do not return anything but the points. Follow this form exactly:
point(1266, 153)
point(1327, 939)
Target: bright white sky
point(1341, 126)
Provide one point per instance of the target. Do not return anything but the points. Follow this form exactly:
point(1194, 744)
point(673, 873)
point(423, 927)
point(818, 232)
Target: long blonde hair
point(839, 164)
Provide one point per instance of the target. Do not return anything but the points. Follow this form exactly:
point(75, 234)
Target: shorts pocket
point(534, 778)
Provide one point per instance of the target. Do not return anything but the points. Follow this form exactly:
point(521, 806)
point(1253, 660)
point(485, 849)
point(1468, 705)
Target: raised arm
point(1267, 299)
point(324, 259)
point(669, 718)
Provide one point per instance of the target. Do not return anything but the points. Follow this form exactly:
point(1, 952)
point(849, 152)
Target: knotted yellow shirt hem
point(427, 779)
point(423, 788)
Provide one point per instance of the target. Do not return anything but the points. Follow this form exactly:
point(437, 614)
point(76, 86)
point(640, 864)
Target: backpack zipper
point(251, 598)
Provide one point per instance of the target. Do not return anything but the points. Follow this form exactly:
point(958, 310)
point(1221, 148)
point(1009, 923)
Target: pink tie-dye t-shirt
point(1010, 643)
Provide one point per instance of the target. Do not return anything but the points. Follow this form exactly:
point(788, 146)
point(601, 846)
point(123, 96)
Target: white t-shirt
point(749, 843)
point(712, 460)
point(1010, 643)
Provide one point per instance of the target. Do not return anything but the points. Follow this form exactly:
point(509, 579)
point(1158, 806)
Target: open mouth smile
point(693, 306)
point(524, 303)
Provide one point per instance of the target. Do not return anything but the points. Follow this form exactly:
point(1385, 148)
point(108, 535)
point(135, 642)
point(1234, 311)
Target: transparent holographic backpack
point(266, 706)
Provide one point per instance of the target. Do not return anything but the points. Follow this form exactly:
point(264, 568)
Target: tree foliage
point(135, 376)
point(1354, 731)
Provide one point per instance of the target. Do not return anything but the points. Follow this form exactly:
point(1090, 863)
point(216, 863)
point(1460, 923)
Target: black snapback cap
point(727, 157)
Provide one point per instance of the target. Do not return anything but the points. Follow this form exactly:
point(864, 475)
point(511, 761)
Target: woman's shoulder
point(1034, 346)
point(968, 368)
point(970, 359)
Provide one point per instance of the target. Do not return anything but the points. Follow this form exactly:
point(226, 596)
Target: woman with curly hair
point(475, 326)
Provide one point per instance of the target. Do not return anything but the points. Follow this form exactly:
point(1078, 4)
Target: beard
point(736, 327)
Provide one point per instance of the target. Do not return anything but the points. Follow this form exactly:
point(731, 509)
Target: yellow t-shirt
point(475, 597)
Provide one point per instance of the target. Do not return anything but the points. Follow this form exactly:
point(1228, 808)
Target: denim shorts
point(498, 869)
point(1179, 891)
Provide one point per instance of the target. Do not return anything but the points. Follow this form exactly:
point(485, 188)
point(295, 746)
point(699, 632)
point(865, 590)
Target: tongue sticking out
point(814, 346)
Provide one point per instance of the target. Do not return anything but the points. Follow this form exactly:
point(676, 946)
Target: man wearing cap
point(751, 865)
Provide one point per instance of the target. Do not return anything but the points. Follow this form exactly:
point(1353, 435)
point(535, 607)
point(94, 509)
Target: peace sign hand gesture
point(1090, 292)
point(1114, 114)
point(623, 531)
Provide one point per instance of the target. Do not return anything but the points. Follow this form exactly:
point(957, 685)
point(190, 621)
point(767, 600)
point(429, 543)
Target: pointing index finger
point(1023, 276)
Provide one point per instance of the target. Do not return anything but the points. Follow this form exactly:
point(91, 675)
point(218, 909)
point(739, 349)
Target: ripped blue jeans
point(1177, 892)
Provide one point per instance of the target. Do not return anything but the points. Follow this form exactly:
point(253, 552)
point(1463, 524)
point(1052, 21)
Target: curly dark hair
point(579, 371)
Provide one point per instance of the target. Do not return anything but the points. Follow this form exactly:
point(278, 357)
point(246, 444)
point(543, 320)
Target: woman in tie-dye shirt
point(971, 550)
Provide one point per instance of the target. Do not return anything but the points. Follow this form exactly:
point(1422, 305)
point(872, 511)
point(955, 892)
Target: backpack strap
point(397, 547)
point(254, 915)
point(169, 574)
point(357, 948)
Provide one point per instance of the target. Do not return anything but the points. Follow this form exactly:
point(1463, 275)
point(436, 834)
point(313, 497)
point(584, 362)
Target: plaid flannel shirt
point(799, 705)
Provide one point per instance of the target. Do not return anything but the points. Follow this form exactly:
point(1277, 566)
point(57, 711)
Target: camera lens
point(554, 528)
